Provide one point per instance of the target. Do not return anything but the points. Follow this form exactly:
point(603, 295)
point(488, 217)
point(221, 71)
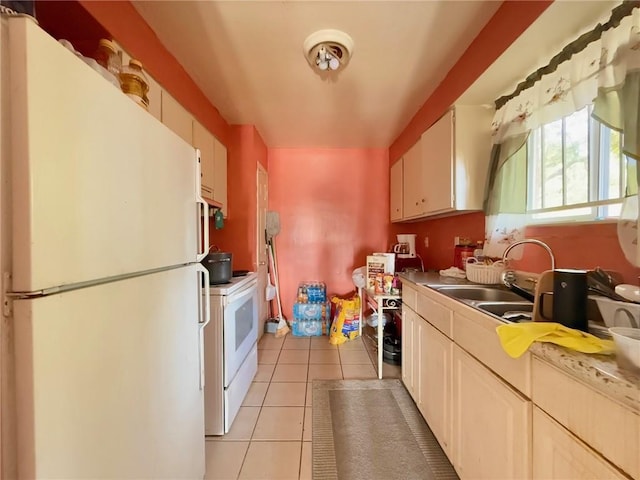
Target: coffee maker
point(406, 246)
point(406, 256)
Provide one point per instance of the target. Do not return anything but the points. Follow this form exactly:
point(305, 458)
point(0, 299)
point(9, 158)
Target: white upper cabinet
point(446, 170)
point(395, 191)
point(204, 141)
point(413, 188)
point(438, 165)
point(220, 177)
point(155, 98)
point(177, 118)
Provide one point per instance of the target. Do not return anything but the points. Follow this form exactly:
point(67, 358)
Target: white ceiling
point(247, 58)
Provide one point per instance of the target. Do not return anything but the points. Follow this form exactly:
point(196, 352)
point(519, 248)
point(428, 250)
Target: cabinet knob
point(416, 203)
point(423, 200)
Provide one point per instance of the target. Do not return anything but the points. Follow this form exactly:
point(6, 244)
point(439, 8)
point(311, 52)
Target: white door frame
point(262, 200)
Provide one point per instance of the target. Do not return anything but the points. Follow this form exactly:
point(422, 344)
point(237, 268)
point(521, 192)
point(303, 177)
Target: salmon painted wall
point(441, 233)
point(582, 246)
point(578, 246)
point(239, 235)
point(334, 210)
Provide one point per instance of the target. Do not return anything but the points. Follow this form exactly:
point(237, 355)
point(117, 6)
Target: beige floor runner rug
point(372, 430)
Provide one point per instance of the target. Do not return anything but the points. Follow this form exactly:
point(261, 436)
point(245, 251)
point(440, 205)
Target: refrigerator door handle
point(205, 317)
point(203, 231)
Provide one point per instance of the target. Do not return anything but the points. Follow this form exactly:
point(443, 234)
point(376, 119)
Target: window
point(576, 171)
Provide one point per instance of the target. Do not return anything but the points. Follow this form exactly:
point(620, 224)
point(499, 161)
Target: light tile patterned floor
point(271, 435)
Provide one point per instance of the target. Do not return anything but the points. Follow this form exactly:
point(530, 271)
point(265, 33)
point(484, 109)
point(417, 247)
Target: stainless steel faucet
point(509, 276)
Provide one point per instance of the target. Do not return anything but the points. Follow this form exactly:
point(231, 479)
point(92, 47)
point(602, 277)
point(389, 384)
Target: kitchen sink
point(511, 311)
point(480, 293)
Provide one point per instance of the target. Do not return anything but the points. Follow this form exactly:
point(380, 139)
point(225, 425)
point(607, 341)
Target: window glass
point(576, 158)
point(576, 171)
point(552, 170)
point(613, 160)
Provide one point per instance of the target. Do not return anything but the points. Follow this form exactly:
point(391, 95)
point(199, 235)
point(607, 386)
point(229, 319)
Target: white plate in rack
point(630, 292)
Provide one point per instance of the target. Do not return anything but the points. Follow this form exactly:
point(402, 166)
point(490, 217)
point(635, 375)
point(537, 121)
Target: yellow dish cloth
point(517, 338)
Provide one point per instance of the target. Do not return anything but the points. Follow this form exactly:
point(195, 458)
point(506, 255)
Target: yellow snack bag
point(346, 321)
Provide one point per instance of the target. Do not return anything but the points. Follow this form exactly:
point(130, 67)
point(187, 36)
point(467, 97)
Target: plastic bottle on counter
point(134, 83)
point(479, 251)
point(107, 56)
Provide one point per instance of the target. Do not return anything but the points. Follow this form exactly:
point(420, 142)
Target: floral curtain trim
point(617, 14)
point(601, 66)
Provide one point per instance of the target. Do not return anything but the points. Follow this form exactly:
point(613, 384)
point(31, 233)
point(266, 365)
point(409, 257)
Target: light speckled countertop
point(599, 371)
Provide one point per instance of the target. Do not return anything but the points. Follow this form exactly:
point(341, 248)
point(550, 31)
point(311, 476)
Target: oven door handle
point(204, 317)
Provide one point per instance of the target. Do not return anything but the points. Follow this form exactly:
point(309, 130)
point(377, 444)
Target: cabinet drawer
point(437, 315)
point(605, 425)
point(478, 337)
point(409, 296)
point(558, 454)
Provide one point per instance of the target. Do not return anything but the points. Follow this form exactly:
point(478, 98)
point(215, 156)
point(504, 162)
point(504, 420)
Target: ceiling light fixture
point(328, 50)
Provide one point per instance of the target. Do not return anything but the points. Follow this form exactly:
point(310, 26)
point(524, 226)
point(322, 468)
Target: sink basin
point(481, 293)
point(512, 311)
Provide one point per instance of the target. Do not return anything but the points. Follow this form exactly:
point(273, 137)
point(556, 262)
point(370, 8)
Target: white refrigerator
point(108, 296)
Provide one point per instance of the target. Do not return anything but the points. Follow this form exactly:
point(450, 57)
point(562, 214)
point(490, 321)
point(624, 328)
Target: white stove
point(233, 285)
point(230, 350)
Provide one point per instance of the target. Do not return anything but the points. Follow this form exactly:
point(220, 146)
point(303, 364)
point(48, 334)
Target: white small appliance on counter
point(406, 246)
point(406, 257)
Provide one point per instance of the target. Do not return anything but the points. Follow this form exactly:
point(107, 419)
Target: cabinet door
point(435, 383)
point(395, 190)
point(203, 140)
point(413, 202)
point(220, 174)
point(437, 154)
point(491, 423)
point(155, 98)
point(559, 455)
point(177, 118)
point(408, 320)
point(615, 434)
point(416, 358)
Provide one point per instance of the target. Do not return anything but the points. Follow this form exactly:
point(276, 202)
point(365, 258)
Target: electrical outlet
point(426, 242)
point(456, 241)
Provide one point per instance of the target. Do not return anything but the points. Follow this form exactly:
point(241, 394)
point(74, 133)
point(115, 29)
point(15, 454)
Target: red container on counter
point(460, 255)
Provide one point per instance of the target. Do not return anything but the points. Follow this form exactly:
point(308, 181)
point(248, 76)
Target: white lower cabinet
point(605, 425)
point(409, 358)
point(476, 402)
point(491, 423)
point(559, 454)
point(435, 382)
